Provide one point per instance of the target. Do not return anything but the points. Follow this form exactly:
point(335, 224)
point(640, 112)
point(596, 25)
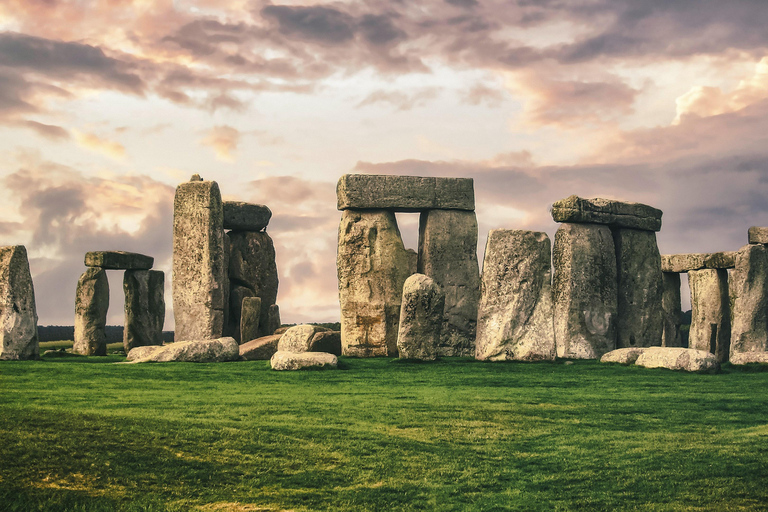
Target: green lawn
point(82, 434)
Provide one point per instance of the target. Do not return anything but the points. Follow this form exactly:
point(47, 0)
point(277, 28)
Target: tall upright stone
point(515, 315)
point(199, 266)
point(273, 319)
point(421, 318)
point(749, 287)
point(448, 254)
point(18, 313)
point(671, 306)
point(91, 305)
point(372, 267)
point(144, 308)
point(250, 318)
point(710, 312)
point(640, 321)
point(584, 291)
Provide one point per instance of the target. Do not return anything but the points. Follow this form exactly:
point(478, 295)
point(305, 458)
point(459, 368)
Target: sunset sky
point(106, 106)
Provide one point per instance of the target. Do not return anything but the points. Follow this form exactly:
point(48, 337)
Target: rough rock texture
point(372, 266)
point(299, 338)
point(404, 193)
point(196, 351)
point(697, 261)
point(18, 314)
point(242, 216)
point(91, 305)
point(758, 235)
point(640, 321)
point(676, 358)
point(326, 341)
point(749, 289)
point(448, 254)
point(283, 329)
point(252, 266)
point(623, 355)
point(237, 294)
point(710, 312)
point(604, 211)
point(260, 349)
point(118, 260)
point(749, 357)
point(273, 319)
point(515, 314)
point(584, 291)
point(299, 360)
point(413, 261)
point(199, 266)
point(421, 318)
point(671, 306)
point(144, 308)
point(250, 316)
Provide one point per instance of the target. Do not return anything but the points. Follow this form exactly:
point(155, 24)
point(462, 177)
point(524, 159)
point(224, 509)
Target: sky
point(105, 107)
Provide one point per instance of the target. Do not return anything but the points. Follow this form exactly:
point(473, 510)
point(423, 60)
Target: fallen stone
point(758, 235)
point(404, 193)
point(749, 296)
point(281, 330)
point(118, 260)
point(144, 308)
point(515, 315)
point(749, 357)
point(298, 338)
point(18, 313)
point(697, 261)
point(91, 305)
point(273, 319)
point(623, 355)
point(300, 360)
point(618, 214)
point(677, 358)
point(196, 351)
point(671, 306)
point(710, 312)
point(326, 341)
point(260, 349)
point(242, 216)
point(249, 319)
point(421, 318)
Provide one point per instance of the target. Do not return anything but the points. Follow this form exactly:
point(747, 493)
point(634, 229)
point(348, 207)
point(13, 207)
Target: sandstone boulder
point(242, 216)
point(118, 260)
point(671, 306)
point(300, 360)
point(18, 313)
point(623, 355)
point(710, 312)
point(144, 308)
point(260, 349)
point(91, 305)
point(575, 209)
point(298, 338)
point(404, 193)
point(749, 357)
point(749, 289)
point(758, 235)
point(197, 351)
point(421, 318)
point(676, 358)
point(326, 341)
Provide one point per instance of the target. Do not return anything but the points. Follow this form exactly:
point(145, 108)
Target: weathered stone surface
point(252, 266)
point(640, 321)
point(326, 341)
point(242, 216)
point(298, 338)
point(372, 266)
point(710, 312)
point(91, 305)
point(515, 315)
point(260, 349)
point(584, 291)
point(605, 211)
point(671, 306)
point(677, 358)
point(237, 294)
point(249, 319)
point(758, 235)
point(448, 254)
point(118, 260)
point(299, 360)
point(413, 261)
point(195, 351)
point(623, 355)
point(749, 289)
point(749, 357)
point(144, 308)
point(283, 329)
point(697, 261)
point(18, 313)
point(199, 266)
point(273, 318)
point(421, 318)
point(404, 193)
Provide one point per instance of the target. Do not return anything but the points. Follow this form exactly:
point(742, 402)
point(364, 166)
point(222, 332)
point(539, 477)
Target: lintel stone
point(697, 261)
point(618, 214)
point(758, 235)
point(243, 216)
point(404, 193)
point(118, 260)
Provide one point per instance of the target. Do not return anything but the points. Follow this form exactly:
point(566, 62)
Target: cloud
point(223, 140)
point(401, 100)
point(314, 23)
point(95, 143)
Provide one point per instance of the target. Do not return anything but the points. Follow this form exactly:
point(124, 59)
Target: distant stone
point(749, 296)
point(710, 312)
point(91, 305)
point(57, 353)
point(575, 209)
point(623, 355)
point(260, 349)
point(196, 351)
point(273, 319)
point(249, 319)
point(676, 358)
point(326, 341)
point(697, 261)
point(298, 338)
point(413, 261)
point(118, 260)
point(242, 216)
point(237, 296)
point(300, 360)
point(421, 318)
point(144, 308)
point(404, 193)
point(18, 313)
point(195, 177)
point(758, 235)
point(749, 357)
point(671, 306)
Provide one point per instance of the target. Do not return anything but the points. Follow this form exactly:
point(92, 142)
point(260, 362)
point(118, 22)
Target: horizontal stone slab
point(404, 193)
point(196, 351)
point(605, 211)
point(242, 216)
point(296, 361)
point(697, 261)
point(677, 358)
point(118, 260)
point(749, 358)
point(758, 235)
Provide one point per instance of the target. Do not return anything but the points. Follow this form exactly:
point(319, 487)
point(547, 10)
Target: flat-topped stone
point(404, 193)
point(677, 358)
point(760, 357)
point(626, 355)
point(697, 261)
point(118, 260)
point(605, 211)
point(758, 235)
point(195, 351)
point(298, 360)
point(242, 216)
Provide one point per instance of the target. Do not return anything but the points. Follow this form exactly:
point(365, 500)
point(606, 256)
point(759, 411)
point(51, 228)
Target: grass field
point(83, 434)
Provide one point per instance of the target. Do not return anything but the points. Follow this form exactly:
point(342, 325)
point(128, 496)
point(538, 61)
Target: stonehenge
point(18, 312)
point(749, 296)
point(421, 318)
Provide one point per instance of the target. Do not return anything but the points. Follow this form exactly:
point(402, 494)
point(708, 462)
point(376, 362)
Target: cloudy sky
point(106, 106)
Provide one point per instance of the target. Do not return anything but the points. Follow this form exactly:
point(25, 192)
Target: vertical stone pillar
point(639, 286)
point(448, 254)
point(199, 267)
point(250, 314)
point(18, 313)
point(584, 291)
point(91, 305)
point(144, 308)
point(710, 313)
point(749, 287)
point(372, 267)
point(672, 309)
point(421, 318)
point(273, 319)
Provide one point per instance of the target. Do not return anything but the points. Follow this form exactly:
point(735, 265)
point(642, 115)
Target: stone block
point(672, 311)
point(749, 358)
point(697, 261)
point(758, 235)
point(260, 349)
point(118, 260)
point(273, 319)
point(18, 313)
point(421, 318)
point(623, 355)
point(749, 290)
point(300, 360)
point(242, 216)
point(676, 358)
point(620, 214)
point(91, 305)
point(298, 338)
point(144, 308)
point(710, 312)
point(404, 193)
point(194, 351)
point(250, 317)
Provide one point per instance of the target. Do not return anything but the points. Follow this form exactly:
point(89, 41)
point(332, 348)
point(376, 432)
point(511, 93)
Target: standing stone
point(273, 318)
point(421, 318)
point(249, 319)
point(448, 254)
point(18, 314)
point(758, 235)
point(710, 315)
point(237, 294)
point(372, 268)
point(584, 291)
point(640, 321)
point(749, 285)
point(144, 308)
point(91, 305)
point(515, 321)
point(199, 266)
point(413, 261)
point(672, 309)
